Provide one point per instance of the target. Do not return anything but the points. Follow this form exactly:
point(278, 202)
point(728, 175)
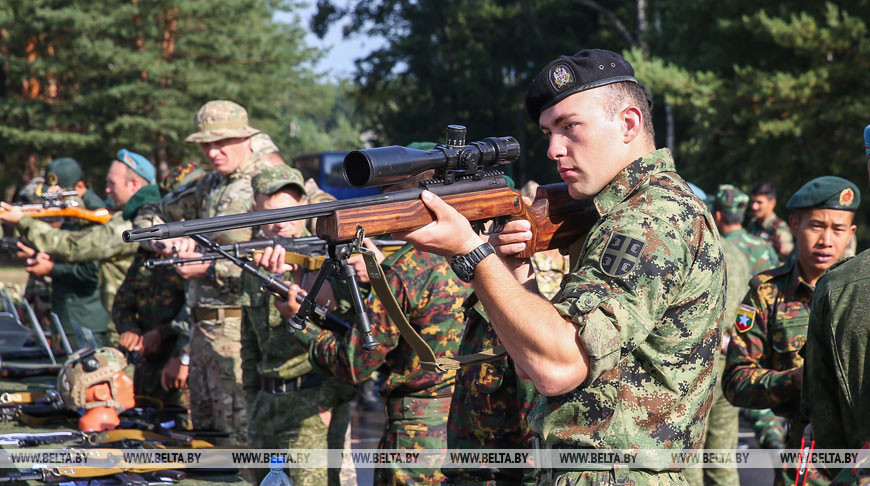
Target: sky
point(338, 61)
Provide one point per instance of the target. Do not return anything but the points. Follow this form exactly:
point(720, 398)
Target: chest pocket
point(789, 332)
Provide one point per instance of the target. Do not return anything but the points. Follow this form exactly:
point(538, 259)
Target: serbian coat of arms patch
point(745, 318)
point(621, 255)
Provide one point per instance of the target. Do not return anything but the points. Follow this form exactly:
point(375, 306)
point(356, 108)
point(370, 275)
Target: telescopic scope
point(389, 165)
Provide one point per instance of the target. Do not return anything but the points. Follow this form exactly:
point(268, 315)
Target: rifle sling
point(428, 360)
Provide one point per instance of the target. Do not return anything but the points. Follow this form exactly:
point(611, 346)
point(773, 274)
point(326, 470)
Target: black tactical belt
point(279, 386)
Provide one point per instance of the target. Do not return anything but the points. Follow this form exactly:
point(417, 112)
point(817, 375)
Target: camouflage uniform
point(100, 242)
point(550, 267)
point(287, 419)
point(723, 424)
point(418, 401)
point(647, 296)
point(490, 405)
point(775, 230)
point(215, 379)
point(835, 395)
point(759, 252)
point(289, 406)
point(763, 358)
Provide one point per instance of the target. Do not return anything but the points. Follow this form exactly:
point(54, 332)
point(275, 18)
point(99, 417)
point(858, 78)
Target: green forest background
point(744, 91)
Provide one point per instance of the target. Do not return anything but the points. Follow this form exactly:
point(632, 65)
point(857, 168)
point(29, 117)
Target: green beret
point(272, 179)
point(64, 172)
point(730, 200)
point(826, 192)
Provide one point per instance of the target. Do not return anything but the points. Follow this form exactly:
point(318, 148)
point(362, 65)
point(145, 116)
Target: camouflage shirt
point(737, 270)
point(210, 196)
point(759, 252)
point(647, 296)
point(431, 296)
point(775, 230)
point(491, 404)
point(763, 359)
point(100, 242)
point(835, 394)
point(550, 267)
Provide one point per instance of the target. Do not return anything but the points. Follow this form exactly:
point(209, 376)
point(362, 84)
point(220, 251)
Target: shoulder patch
point(745, 318)
point(620, 256)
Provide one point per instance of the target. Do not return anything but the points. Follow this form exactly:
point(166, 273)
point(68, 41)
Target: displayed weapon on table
point(466, 177)
point(54, 206)
point(276, 286)
point(306, 251)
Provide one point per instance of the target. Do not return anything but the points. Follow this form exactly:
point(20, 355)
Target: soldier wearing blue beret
point(764, 369)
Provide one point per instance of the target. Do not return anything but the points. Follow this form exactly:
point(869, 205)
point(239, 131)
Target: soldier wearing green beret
point(763, 367)
point(835, 396)
point(67, 173)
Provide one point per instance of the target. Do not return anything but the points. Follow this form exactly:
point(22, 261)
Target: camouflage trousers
point(311, 418)
point(622, 477)
point(413, 423)
point(217, 398)
point(721, 433)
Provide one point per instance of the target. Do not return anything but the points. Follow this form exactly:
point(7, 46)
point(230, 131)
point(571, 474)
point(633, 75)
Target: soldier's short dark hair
point(637, 95)
point(731, 218)
point(764, 189)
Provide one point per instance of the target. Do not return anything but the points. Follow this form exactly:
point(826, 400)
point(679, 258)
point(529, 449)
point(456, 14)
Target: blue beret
point(826, 192)
point(568, 75)
point(138, 163)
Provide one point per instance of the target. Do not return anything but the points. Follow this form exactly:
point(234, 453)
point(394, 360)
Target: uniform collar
point(796, 284)
point(244, 170)
point(636, 173)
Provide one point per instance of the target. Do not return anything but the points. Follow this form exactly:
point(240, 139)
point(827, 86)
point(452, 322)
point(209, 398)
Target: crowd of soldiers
point(637, 343)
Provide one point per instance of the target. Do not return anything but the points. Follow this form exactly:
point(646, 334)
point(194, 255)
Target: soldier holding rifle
point(633, 333)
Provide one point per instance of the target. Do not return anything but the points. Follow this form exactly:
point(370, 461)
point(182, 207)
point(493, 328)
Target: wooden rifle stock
point(557, 220)
point(101, 216)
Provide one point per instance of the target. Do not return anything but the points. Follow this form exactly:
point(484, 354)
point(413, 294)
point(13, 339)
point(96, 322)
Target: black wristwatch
point(463, 265)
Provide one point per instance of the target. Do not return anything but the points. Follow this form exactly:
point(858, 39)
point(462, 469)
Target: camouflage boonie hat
point(730, 200)
point(827, 192)
point(220, 119)
point(272, 179)
point(180, 176)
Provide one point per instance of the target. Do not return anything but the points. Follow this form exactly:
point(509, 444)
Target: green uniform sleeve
point(79, 273)
point(820, 397)
point(98, 242)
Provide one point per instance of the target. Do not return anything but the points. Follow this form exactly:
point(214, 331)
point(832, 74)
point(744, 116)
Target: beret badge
point(561, 76)
point(846, 196)
point(51, 179)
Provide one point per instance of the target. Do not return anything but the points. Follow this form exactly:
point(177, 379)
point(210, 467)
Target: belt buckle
point(280, 386)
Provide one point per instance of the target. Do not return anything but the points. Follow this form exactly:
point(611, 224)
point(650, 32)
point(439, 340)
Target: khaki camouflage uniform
point(835, 395)
point(100, 242)
point(418, 401)
point(759, 252)
point(490, 406)
point(550, 267)
point(775, 230)
point(215, 379)
point(647, 296)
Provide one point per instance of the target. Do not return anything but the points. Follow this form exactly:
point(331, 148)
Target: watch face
point(462, 268)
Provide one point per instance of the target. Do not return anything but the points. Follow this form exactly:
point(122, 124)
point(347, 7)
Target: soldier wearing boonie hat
point(764, 369)
point(215, 376)
point(220, 119)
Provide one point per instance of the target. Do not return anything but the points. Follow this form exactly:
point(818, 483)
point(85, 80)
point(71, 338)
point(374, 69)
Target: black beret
point(566, 75)
point(826, 192)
